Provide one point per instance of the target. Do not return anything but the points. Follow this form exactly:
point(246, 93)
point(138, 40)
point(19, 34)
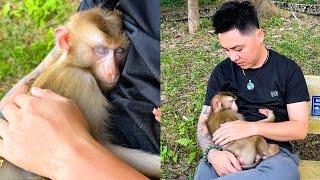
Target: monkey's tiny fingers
point(264, 111)
point(157, 113)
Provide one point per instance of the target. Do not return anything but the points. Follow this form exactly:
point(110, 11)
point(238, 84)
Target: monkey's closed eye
point(119, 50)
point(101, 51)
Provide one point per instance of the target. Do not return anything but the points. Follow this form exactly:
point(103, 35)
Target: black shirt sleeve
point(297, 90)
point(213, 86)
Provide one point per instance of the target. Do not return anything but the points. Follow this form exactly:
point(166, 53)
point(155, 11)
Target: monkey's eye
point(119, 51)
point(101, 51)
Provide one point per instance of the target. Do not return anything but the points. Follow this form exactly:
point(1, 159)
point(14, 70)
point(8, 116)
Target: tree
point(193, 16)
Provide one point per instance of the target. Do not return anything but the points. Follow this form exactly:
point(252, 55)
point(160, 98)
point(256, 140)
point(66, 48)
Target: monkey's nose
point(111, 75)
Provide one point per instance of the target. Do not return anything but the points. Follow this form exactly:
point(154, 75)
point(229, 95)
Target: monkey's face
point(229, 103)
point(103, 54)
point(243, 49)
point(106, 69)
point(95, 40)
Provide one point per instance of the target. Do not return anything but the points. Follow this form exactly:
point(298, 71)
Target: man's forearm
point(203, 135)
point(90, 160)
point(282, 131)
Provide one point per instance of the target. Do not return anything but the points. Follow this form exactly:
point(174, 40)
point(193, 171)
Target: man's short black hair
point(236, 15)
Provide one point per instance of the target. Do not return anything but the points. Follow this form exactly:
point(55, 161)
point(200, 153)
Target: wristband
point(206, 152)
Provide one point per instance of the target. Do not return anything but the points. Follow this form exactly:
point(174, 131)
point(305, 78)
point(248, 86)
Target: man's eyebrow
point(234, 47)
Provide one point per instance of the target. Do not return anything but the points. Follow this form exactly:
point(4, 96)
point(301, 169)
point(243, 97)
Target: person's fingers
point(1, 148)
point(11, 112)
point(220, 139)
point(235, 163)
point(225, 141)
point(3, 128)
point(21, 99)
point(10, 98)
point(46, 93)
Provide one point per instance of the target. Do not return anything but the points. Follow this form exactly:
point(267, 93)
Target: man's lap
point(283, 166)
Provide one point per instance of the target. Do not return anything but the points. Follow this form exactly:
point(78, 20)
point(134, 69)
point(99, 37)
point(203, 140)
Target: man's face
point(243, 49)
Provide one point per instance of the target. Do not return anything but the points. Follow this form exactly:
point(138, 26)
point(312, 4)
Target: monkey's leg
point(146, 163)
point(245, 151)
point(266, 150)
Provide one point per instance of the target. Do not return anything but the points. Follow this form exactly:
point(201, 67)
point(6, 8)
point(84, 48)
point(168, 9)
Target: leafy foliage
point(26, 35)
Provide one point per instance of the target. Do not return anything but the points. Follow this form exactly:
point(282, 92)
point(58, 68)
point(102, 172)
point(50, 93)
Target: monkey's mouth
point(108, 85)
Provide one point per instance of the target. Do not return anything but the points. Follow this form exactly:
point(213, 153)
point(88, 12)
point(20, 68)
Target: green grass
point(26, 35)
point(186, 63)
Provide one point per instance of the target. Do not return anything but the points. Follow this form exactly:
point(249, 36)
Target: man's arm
point(203, 134)
point(294, 129)
point(24, 83)
point(72, 152)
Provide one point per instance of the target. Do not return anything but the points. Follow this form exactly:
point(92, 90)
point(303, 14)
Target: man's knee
point(282, 166)
point(205, 171)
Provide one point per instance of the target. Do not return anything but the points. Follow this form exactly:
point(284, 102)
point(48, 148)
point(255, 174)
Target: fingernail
point(35, 91)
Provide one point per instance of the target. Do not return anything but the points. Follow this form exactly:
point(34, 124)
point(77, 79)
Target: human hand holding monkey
point(234, 130)
point(224, 162)
point(93, 46)
point(37, 117)
point(227, 126)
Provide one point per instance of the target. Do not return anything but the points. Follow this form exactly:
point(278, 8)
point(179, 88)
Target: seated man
point(260, 78)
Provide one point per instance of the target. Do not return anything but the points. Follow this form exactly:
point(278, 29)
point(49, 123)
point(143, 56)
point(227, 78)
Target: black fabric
point(138, 91)
point(279, 82)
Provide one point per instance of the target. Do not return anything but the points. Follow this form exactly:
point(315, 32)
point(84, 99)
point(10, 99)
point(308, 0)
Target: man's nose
point(232, 55)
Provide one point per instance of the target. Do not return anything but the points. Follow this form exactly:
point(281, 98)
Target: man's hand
point(224, 162)
point(234, 130)
point(41, 131)
point(9, 98)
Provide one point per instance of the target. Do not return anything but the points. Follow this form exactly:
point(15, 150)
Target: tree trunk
point(193, 16)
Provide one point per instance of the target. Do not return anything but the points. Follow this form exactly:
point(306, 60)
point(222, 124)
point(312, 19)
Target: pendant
point(250, 85)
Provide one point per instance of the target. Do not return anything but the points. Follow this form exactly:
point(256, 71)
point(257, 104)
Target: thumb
point(46, 93)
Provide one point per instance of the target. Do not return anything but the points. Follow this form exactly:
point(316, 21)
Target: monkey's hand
point(157, 114)
point(234, 130)
point(267, 112)
point(224, 162)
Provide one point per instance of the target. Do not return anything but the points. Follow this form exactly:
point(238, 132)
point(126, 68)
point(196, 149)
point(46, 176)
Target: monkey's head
point(224, 100)
point(94, 39)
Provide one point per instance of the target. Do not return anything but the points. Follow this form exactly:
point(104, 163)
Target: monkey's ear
point(216, 104)
point(62, 37)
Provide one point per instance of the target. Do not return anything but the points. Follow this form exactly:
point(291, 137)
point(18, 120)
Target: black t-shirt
point(279, 82)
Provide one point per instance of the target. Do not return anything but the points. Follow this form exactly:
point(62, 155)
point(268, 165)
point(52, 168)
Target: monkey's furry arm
point(25, 82)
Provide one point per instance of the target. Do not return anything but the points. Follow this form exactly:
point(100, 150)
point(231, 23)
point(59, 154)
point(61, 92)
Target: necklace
point(250, 84)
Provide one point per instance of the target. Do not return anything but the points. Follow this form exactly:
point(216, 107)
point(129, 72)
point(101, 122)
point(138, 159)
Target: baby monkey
point(251, 150)
point(94, 49)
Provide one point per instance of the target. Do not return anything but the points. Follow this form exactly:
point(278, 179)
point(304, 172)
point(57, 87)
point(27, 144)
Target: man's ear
point(260, 35)
point(62, 37)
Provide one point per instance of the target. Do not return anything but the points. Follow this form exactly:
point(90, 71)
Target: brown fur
point(251, 149)
point(73, 78)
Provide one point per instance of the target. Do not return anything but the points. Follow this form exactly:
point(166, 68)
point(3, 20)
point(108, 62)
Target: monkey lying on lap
point(94, 48)
point(251, 150)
